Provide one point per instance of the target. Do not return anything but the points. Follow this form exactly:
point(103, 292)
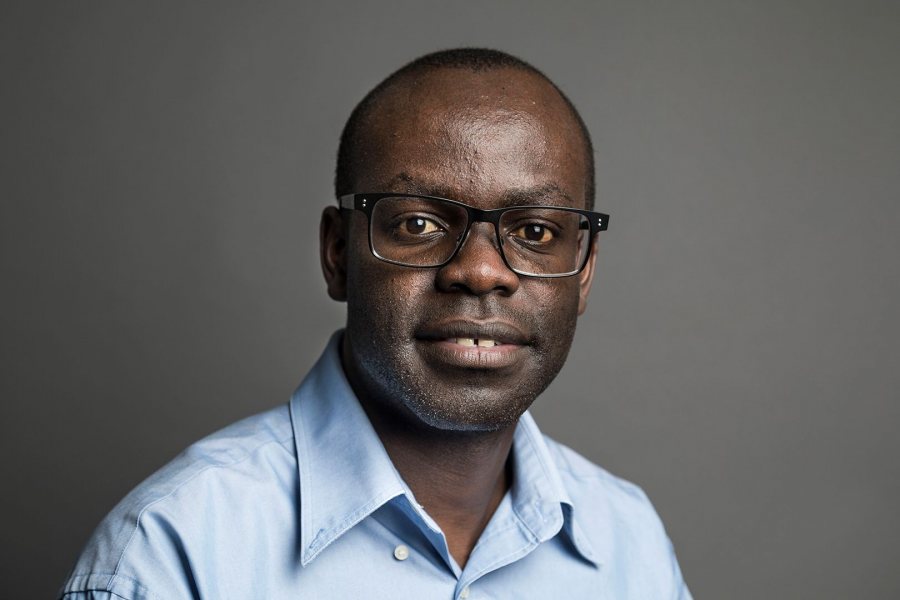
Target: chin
point(409, 386)
point(465, 409)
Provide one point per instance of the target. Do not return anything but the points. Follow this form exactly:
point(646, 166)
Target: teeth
point(474, 342)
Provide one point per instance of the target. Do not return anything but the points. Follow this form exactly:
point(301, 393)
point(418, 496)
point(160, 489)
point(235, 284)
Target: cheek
point(558, 314)
point(556, 297)
point(382, 297)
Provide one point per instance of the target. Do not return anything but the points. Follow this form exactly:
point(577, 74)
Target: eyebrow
point(548, 194)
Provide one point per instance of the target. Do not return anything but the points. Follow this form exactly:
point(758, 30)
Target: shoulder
point(589, 482)
point(162, 525)
point(226, 457)
point(621, 524)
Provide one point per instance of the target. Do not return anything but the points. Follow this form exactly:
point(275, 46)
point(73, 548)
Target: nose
point(478, 267)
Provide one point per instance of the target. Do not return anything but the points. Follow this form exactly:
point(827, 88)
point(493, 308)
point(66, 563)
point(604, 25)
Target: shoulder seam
point(72, 593)
point(109, 583)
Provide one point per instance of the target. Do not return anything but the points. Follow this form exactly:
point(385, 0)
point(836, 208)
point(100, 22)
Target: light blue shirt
point(303, 502)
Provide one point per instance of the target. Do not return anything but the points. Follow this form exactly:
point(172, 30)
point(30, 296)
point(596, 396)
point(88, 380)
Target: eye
point(534, 232)
point(420, 226)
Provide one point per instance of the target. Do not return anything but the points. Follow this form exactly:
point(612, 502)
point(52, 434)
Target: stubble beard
point(397, 379)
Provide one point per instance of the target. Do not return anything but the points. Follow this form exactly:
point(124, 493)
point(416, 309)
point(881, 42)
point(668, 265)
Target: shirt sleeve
point(103, 586)
point(92, 595)
point(681, 591)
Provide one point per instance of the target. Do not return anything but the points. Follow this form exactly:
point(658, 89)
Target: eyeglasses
point(426, 231)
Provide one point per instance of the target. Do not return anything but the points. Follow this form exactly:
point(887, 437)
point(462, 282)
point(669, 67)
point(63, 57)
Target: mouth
point(471, 342)
point(464, 344)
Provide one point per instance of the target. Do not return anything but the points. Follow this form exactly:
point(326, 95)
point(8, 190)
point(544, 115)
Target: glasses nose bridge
point(477, 215)
point(491, 217)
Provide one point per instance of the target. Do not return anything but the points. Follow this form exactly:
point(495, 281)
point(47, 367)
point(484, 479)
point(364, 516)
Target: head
point(489, 130)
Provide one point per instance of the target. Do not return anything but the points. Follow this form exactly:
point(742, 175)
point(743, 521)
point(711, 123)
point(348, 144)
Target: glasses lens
point(414, 231)
point(545, 241)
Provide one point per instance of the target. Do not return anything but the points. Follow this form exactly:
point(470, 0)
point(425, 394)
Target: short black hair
point(473, 59)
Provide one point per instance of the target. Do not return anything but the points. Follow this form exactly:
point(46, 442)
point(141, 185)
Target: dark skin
point(489, 139)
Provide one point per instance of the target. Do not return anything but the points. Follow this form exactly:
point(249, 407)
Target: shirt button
point(401, 552)
point(464, 593)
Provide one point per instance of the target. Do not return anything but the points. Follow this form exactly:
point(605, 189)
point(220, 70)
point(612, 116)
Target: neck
point(459, 477)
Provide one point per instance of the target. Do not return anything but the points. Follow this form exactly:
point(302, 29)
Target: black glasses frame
point(365, 202)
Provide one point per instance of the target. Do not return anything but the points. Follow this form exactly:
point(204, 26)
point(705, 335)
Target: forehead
point(475, 136)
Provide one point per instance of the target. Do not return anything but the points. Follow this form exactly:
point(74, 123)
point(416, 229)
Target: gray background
point(164, 167)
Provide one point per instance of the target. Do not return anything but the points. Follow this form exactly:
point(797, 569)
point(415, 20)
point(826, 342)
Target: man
point(406, 465)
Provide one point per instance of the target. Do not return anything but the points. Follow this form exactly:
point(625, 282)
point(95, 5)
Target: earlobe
point(586, 278)
point(332, 252)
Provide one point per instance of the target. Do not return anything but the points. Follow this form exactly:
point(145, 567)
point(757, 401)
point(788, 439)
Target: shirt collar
point(346, 474)
point(539, 497)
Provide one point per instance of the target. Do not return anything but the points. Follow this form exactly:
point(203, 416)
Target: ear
point(333, 252)
point(586, 277)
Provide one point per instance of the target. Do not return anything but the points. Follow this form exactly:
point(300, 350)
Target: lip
point(437, 342)
point(499, 331)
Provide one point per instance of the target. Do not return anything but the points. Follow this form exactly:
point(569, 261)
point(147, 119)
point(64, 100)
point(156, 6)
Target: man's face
point(489, 139)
